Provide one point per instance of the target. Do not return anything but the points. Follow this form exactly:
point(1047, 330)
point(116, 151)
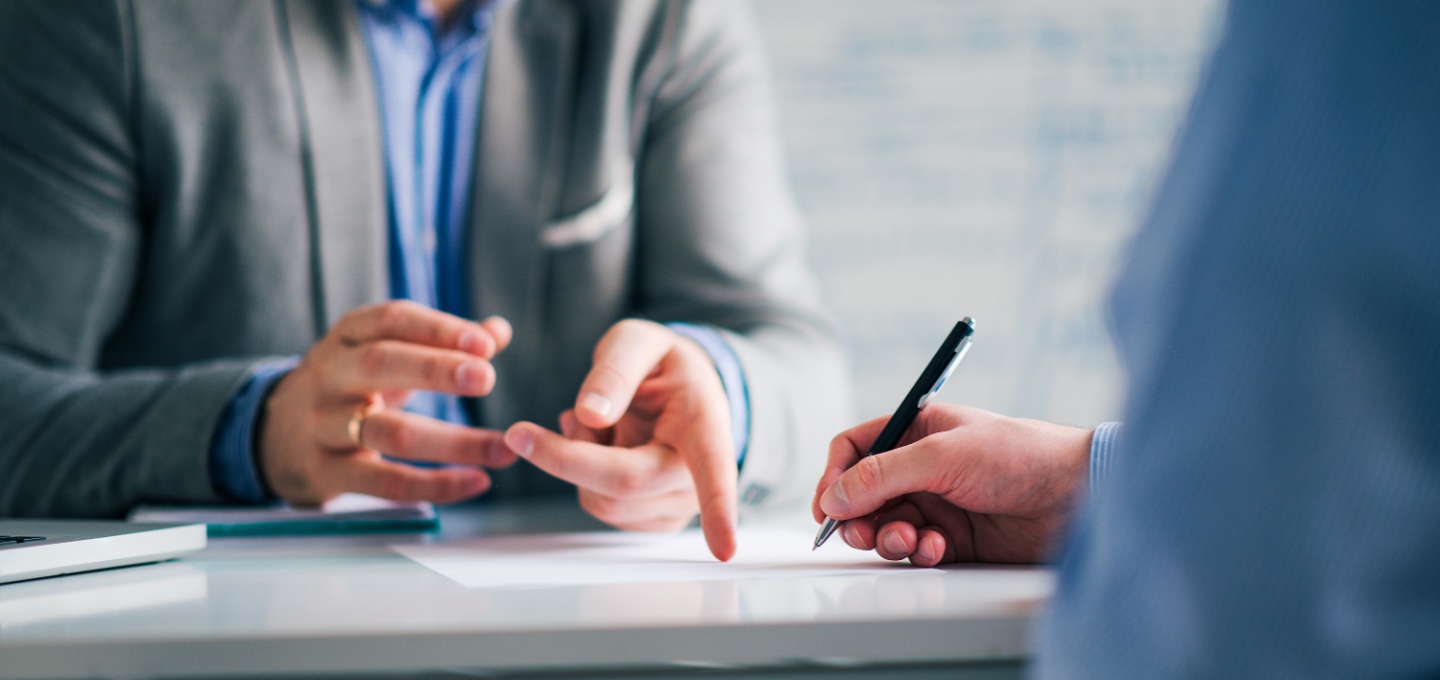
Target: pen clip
point(949, 368)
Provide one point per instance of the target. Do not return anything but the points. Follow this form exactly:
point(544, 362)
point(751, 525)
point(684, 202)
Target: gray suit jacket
point(188, 188)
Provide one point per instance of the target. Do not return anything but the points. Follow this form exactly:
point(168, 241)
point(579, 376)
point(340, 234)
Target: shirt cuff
point(233, 470)
point(1102, 449)
point(732, 377)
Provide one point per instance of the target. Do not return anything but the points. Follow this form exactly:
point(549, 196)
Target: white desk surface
point(350, 605)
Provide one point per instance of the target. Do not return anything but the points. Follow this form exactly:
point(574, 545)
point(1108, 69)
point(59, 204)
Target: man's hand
point(327, 422)
point(965, 485)
point(648, 442)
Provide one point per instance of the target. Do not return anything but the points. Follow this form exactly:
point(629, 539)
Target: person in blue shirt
point(1271, 506)
point(283, 250)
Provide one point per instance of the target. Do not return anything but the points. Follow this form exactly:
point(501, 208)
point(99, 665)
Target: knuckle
point(598, 506)
point(606, 375)
point(409, 489)
point(356, 318)
point(556, 464)
point(372, 358)
point(392, 487)
point(493, 452)
point(629, 482)
point(839, 447)
point(497, 457)
point(434, 371)
point(869, 473)
point(445, 488)
point(443, 332)
point(395, 439)
point(391, 315)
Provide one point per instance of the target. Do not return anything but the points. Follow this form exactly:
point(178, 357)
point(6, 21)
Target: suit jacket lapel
point(342, 153)
point(519, 161)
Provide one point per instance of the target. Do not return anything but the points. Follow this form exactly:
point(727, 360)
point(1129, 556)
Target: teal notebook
point(347, 514)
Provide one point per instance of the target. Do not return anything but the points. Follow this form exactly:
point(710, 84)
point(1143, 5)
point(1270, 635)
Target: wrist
point(235, 469)
point(722, 361)
point(276, 432)
point(1103, 441)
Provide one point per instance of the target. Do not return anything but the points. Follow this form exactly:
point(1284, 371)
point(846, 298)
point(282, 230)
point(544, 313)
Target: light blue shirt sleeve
point(731, 376)
point(233, 470)
point(1102, 446)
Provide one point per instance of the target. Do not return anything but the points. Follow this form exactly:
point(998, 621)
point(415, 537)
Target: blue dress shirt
point(1102, 450)
point(1272, 509)
point(429, 81)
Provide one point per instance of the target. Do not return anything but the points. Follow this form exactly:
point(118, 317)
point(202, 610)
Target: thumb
point(628, 353)
point(877, 479)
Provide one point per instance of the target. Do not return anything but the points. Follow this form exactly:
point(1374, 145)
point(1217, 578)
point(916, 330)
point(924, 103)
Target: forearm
point(85, 444)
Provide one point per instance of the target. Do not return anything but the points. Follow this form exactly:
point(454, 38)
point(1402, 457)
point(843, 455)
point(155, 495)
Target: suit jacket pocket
point(596, 219)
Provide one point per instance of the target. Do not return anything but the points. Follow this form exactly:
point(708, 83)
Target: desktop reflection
point(128, 592)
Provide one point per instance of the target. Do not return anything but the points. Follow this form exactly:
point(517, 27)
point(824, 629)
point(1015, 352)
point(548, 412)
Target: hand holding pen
point(960, 485)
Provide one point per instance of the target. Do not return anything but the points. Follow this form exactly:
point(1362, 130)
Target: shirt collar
point(477, 12)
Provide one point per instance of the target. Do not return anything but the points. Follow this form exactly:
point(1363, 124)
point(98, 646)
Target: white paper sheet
point(604, 557)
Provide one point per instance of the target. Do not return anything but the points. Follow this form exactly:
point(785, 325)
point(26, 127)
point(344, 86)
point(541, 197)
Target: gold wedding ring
point(357, 422)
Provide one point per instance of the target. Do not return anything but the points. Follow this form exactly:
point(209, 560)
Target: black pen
point(931, 380)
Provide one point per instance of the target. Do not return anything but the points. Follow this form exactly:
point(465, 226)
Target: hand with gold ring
point(329, 425)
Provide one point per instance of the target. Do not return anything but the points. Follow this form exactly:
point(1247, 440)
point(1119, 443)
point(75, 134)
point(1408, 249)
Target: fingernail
point(893, 544)
point(468, 377)
point(835, 502)
point(520, 442)
point(851, 534)
point(597, 403)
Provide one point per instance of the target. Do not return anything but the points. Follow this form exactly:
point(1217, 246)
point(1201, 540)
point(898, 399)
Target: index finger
point(412, 322)
point(712, 466)
point(846, 449)
point(640, 472)
point(614, 471)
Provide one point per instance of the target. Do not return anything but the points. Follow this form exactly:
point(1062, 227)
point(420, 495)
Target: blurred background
point(987, 158)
